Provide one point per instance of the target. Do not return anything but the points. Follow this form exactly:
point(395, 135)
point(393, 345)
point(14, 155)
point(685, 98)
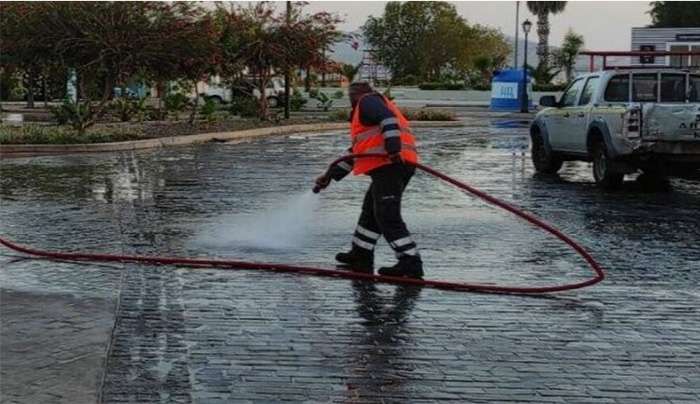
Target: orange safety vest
point(369, 139)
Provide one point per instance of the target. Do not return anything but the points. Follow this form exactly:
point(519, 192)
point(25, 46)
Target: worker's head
point(357, 90)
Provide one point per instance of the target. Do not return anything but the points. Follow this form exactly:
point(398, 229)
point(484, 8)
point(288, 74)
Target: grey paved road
point(124, 333)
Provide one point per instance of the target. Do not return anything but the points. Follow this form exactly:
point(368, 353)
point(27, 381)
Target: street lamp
point(527, 25)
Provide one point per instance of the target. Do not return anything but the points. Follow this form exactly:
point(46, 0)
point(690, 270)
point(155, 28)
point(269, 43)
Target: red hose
point(226, 264)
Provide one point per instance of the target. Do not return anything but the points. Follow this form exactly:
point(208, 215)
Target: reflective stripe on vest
point(376, 131)
point(381, 149)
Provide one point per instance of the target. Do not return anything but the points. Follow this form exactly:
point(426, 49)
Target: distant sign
point(647, 59)
point(504, 90)
point(688, 37)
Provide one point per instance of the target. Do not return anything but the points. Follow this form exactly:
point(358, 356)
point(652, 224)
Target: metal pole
point(287, 94)
point(524, 101)
point(517, 30)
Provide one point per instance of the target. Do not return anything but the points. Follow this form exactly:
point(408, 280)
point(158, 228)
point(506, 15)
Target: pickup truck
point(623, 121)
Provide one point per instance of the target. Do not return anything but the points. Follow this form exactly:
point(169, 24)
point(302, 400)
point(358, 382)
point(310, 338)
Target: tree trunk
point(193, 115)
point(44, 90)
point(160, 87)
point(307, 79)
point(81, 87)
point(30, 88)
point(287, 70)
point(262, 102)
point(543, 34)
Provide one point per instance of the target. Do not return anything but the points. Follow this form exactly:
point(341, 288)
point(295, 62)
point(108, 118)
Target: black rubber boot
point(357, 260)
point(408, 266)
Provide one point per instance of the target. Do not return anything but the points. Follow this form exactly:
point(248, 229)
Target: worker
point(377, 126)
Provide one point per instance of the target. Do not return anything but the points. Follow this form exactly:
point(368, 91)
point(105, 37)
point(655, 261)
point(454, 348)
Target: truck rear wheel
point(603, 174)
point(543, 159)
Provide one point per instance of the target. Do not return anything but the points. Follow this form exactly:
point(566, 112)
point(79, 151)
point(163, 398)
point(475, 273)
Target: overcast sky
point(605, 25)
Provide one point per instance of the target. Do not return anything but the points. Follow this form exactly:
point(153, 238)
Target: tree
point(565, 57)
point(266, 43)
point(669, 14)
point(430, 41)
point(307, 40)
point(350, 71)
point(403, 35)
point(23, 49)
point(542, 9)
point(108, 43)
point(481, 49)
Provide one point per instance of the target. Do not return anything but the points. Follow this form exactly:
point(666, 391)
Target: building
point(667, 40)
point(371, 70)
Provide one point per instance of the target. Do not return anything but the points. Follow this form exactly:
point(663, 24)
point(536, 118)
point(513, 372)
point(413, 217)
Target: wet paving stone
point(208, 336)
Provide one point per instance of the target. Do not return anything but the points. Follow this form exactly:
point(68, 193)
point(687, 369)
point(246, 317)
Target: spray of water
point(283, 226)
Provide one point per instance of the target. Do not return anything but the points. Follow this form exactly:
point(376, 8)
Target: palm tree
point(566, 56)
point(350, 71)
point(542, 9)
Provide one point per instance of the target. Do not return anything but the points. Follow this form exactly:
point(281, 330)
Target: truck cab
point(623, 121)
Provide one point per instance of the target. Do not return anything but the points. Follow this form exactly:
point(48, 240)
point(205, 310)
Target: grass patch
point(412, 114)
point(125, 131)
point(38, 134)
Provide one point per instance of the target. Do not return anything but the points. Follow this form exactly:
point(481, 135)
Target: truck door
point(580, 117)
point(558, 124)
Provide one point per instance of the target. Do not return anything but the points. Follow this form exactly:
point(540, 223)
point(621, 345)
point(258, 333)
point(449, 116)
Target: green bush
point(481, 87)
point(79, 115)
point(430, 86)
point(126, 108)
point(208, 110)
point(297, 101)
point(427, 114)
point(338, 94)
point(324, 101)
point(175, 103)
point(407, 80)
point(441, 86)
point(548, 87)
point(155, 114)
point(246, 107)
point(341, 114)
point(420, 114)
point(36, 134)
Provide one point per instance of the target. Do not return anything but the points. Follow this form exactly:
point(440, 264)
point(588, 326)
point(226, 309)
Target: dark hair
point(361, 87)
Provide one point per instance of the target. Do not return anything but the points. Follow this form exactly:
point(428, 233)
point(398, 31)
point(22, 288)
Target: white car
point(216, 91)
point(623, 121)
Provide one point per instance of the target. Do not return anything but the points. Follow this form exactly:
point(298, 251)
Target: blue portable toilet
point(505, 90)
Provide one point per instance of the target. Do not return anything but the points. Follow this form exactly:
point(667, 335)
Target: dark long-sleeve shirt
point(374, 111)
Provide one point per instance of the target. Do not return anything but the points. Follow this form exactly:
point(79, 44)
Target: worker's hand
point(322, 182)
point(396, 158)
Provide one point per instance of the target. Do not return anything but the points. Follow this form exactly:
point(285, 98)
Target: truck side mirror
point(549, 101)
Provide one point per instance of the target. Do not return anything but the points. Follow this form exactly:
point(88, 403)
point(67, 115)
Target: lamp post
point(524, 104)
point(287, 78)
point(517, 30)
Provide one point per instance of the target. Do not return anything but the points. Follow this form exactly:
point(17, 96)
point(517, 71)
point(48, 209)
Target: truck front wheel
point(544, 159)
point(605, 176)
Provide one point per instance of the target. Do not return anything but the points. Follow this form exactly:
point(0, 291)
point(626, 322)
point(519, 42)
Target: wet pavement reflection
point(188, 335)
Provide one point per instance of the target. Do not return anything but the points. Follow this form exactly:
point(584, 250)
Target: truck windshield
point(673, 87)
point(695, 88)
